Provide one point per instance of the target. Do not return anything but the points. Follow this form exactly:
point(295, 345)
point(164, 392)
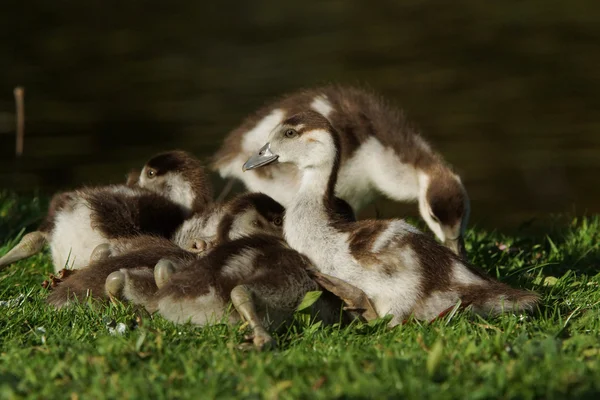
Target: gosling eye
point(278, 221)
point(290, 133)
point(433, 217)
point(151, 173)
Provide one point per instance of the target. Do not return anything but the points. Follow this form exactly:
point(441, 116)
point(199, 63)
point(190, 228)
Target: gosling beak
point(264, 157)
point(457, 246)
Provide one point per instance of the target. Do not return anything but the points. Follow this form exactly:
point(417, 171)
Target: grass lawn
point(79, 352)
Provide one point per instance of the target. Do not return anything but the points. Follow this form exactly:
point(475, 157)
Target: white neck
point(307, 225)
point(424, 207)
point(307, 228)
point(314, 181)
point(423, 180)
point(180, 192)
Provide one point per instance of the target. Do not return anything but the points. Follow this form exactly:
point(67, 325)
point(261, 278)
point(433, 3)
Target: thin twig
point(19, 93)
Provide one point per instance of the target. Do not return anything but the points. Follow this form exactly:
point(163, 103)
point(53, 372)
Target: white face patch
point(180, 191)
point(171, 185)
point(143, 179)
point(314, 149)
point(322, 105)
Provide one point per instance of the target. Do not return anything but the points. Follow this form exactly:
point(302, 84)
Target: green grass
point(551, 354)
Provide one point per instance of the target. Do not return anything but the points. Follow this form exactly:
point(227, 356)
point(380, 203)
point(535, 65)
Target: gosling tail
point(495, 298)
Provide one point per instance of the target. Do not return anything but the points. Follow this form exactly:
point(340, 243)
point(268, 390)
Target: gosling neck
point(318, 184)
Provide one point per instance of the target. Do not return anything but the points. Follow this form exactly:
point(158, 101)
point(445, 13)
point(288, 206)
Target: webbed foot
point(242, 300)
point(162, 272)
point(115, 282)
point(101, 252)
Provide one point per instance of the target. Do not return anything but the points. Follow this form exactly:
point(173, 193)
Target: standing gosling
point(400, 269)
point(380, 152)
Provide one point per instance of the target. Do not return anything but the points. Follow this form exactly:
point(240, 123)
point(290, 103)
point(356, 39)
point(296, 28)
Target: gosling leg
point(241, 297)
point(29, 245)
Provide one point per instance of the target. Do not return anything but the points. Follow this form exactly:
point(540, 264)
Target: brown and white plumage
point(80, 220)
point(90, 280)
point(257, 272)
point(402, 271)
point(275, 274)
point(135, 257)
point(180, 177)
point(242, 215)
point(260, 275)
point(380, 153)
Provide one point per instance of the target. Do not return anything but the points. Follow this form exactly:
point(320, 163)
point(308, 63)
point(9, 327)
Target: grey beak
point(264, 157)
point(457, 246)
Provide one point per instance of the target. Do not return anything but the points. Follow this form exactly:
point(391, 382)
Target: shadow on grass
point(9, 383)
point(566, 247)
point(19, 212)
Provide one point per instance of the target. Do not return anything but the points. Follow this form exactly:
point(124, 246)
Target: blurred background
point(507, 91)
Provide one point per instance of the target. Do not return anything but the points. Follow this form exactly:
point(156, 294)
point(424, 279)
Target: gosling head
point(306, 140)
point(249, 214)
point(245, 215)
point(179, 176)
point(445, 207)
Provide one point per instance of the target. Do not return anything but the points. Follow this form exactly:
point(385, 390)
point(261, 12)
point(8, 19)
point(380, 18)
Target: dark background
point(507, 91)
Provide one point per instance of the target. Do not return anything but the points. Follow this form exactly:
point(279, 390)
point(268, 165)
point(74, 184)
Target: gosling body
point(380, 153)
point(399, 268)
point(134, 258)
point(171, 186)
point(275, 275)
